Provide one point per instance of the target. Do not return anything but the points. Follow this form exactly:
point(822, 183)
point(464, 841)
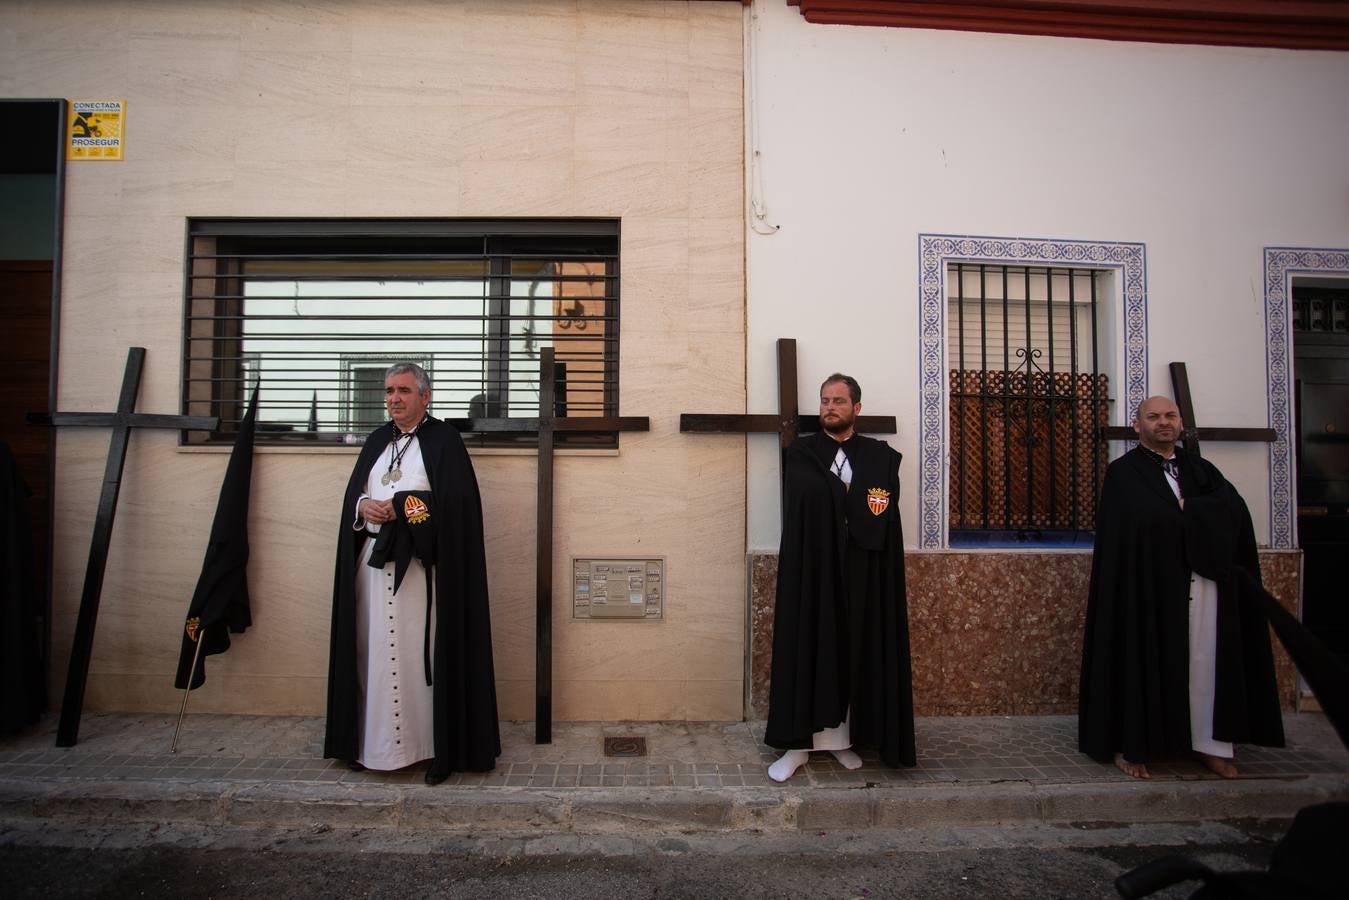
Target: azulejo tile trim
point(1281, 264)
point(935, 251)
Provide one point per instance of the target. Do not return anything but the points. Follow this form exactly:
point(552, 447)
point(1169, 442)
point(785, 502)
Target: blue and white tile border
point(935, 251)
point(1281, 264)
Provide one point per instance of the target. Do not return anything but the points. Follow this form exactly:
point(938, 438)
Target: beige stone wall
point(494, 108)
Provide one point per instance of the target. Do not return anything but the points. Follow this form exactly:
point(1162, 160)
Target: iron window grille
point(1028, 401)
point(318, 309)
point(1320, 310)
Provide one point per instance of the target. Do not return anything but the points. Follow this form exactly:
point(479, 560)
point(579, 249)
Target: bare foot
point(1223, 768)
point(1132, 769)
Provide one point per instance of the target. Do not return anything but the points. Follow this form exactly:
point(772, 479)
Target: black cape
point(841, 625)
point(1134, 694)
point(220, 603)
point(467, 737)
point(22, 667)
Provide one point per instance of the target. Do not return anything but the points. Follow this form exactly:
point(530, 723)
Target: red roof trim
point(1320, 25)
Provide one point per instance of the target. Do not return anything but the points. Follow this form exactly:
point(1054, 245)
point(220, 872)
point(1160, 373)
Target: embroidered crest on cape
point(193, 628)
point(878, 500)
point(415, 510)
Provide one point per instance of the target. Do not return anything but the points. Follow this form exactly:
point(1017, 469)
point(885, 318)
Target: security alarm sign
point(95, 129)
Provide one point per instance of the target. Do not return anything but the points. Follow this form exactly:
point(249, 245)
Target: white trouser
point(836, 738)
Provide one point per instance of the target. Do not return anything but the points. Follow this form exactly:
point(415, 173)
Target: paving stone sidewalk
point(695, 775)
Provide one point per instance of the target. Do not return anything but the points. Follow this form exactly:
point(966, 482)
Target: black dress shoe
point(434, 778)
point(354, 766)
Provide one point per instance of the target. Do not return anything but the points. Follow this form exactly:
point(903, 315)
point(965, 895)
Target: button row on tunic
point(389, 575)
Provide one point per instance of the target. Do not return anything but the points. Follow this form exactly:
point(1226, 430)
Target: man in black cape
point(841, 672)
point(1176, 658)
point(21, 657)
point(410, 665)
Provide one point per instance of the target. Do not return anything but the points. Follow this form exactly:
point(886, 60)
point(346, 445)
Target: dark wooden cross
point(1180, 384)
point(121, 422)
point(547, 425)
point(788, 424)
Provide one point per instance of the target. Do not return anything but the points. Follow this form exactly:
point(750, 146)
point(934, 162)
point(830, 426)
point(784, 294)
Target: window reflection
point(319, 319)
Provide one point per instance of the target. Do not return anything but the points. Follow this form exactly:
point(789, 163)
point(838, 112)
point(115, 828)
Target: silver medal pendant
point(396, 474)
point(384, 479)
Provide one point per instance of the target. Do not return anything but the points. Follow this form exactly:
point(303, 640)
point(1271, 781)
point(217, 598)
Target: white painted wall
point(870, 136)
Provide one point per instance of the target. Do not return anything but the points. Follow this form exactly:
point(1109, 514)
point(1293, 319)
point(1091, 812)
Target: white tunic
point(396, 719)
point(1203, 659)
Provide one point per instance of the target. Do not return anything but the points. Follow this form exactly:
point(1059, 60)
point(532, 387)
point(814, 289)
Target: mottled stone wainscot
point(994, 633)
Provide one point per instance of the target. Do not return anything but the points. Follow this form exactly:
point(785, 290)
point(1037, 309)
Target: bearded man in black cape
point(410, 666)
point(1176, 658)
point(841, 674)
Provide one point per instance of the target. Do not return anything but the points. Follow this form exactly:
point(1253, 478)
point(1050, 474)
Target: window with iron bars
point(1028, 401)
point(316, 310)
point(1320, 310)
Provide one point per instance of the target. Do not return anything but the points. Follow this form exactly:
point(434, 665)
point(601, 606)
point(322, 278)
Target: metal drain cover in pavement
point(625, 746)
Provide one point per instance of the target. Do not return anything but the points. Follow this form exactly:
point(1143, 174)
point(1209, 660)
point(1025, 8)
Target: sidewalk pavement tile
point(696, 771)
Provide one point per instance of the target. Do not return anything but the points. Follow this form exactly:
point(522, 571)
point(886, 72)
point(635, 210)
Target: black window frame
point(218, 252)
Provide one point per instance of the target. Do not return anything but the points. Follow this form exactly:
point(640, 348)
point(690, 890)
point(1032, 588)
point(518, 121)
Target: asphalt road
point(1039, 862)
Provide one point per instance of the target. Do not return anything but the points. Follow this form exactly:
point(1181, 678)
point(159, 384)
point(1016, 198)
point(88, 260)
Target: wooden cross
point(121, 422)
point(547, 425)
point(788, 424)
point(1180, 384)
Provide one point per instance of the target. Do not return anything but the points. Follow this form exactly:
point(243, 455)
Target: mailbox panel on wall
point(618, 588)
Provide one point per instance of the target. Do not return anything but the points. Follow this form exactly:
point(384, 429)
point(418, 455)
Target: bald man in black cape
point(1176, 659)
point(841, 673)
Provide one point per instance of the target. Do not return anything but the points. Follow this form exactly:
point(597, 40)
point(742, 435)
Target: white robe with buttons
point(396, 719)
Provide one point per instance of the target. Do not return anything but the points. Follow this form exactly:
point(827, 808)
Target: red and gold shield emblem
point(878, 500)
point(414, 510)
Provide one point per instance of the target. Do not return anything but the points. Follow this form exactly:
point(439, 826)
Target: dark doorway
point(1321, 378)
point(32, 170)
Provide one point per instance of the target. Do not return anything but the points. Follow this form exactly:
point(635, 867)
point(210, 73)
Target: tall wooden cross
point(547, 425)
point(121, 422)
point(1180, 384)
point(788, 424)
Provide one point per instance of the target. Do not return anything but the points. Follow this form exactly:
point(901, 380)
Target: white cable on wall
point(758, 207)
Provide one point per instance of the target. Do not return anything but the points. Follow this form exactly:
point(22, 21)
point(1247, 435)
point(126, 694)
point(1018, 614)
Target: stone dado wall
point(993, 633)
